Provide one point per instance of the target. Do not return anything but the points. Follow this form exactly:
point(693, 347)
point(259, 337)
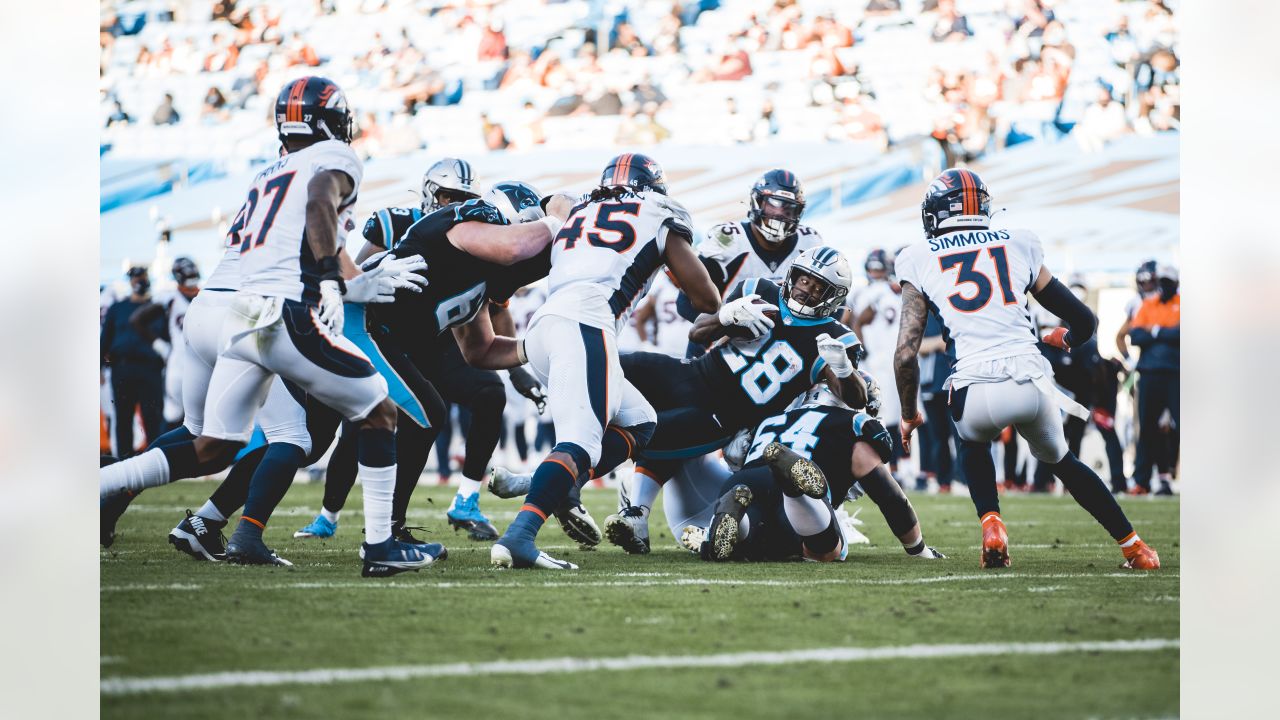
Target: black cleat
point(722, 536)
point(247, 549)
point(109, 512)
point(794, 474)
point(199, 537)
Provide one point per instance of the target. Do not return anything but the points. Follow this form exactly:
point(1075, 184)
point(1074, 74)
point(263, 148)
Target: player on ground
point(977, 281)
point(602, 260)
point(800, 464)
point(286, 320)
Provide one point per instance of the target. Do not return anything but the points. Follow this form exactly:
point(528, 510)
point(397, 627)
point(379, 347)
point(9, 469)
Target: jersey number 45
point(608, 217)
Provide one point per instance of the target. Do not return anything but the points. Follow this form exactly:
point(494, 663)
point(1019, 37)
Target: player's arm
point(146, 319)
point(483, 349)
point(509, 244)
point(1122, 338)
point(862, 319)
point(852, 390)
point(644, 315)
point(906, 362)
point(1057, 299)
point(690, 274)
point(367, 250)
point(325, 194)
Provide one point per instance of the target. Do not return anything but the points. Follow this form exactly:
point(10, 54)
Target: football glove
point(330, 310)
point(873, 393)
point(527, 385)
point(383, 275)
point(833, 352)
point(907, 425)
point(1057, 337)
point(745, 312)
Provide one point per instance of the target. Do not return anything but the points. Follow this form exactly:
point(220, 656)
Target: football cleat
point(390, 557)
point(848, 525)
point(929, 553)
point(246, 549)
point(578, 524)
point(109, 512)
point(404, 534)
point(436, 551)
point(995, 542)
point(1164, 489)
point(722, 536)
point(692, 538)
point(629, 530)
point(506, 484)
point(1140, 556)
point(321, 527)
point(465, 515)
point(200, 537)
point(795, 474)
point(505, 556)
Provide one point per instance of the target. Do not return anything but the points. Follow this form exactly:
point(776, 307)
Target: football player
point(424, 368)
point(800, 464)
point(285, 321)
point(172, 306)
point(602, 260)
point(977, 280)
point(875, 320)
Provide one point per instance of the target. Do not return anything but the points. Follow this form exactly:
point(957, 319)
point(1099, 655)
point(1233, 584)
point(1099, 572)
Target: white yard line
point(549, 666)
point(449, 585)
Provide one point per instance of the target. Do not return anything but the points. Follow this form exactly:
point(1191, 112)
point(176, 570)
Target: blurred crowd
point(502, 74)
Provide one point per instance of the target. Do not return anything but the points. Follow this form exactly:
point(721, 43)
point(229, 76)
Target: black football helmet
point(313, 107)
point(1145, 277)
point(517, 201)
point(636, 171)
point(955, 199)
point(185, 272)
point(777, 202)
point(877, 261)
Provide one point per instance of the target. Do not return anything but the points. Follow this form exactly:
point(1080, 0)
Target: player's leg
point(980, 413)
point(1148, 417)
point(173, 386)
point(579, 367)
point(1048, 444)
point(1166, 390)
point(483, 393)
point(746, 499)
point(124, 401)
point(690, 498)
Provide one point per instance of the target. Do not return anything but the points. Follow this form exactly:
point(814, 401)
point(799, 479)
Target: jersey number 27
point(277, 187)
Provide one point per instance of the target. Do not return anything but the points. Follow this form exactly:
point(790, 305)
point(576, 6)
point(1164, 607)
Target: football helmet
point(777, 202)
point(517, 201)
point(831, 269)
point(314, 107)
point(955, 199)
point(636, 171)
point(450, 180)
point(877, 261)
point(185, 272)
point(1145, 277)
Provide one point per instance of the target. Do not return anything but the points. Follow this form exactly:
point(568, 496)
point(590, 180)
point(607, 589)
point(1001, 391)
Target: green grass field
point(164, 615)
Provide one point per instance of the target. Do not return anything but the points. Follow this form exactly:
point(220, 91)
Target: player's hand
point(1057, 337)
point(834, 353)
point(405, 273)
point(746, 312)
point(527, 385)
point(560, 205)
point(906, 426)
point(330, 310)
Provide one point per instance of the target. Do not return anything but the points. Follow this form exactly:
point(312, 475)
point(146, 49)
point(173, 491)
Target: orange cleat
point(995, 542)
point(1140, 556)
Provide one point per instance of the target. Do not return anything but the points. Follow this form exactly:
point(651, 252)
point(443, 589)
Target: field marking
point(550, 666)
point(678, 581)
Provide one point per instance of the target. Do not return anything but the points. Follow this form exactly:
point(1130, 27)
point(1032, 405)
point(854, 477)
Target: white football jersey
point(880, 336)
point(175, 309)
point(735, 249)
point(673, 331)
point(605, 256)
point(270, 229)
point(978, 282)
point(524, 304)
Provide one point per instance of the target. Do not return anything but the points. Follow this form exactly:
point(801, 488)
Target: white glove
point(379, 283)
point(835, 353)
point(735, 453)
point(330, 310)
point(744, 312)
point(161, 347)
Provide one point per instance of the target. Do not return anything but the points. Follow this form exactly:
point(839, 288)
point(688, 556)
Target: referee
point(137, 370)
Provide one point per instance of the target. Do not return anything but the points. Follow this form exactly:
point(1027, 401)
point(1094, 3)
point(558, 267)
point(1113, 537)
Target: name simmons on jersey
point(965, 239)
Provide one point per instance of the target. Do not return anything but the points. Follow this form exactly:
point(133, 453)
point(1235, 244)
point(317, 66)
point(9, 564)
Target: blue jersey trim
point(354, 330)
point(790, 318)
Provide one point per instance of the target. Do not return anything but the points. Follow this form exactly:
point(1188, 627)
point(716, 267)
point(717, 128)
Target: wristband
point(520, 352)
point(553, 224)
point(328, 269)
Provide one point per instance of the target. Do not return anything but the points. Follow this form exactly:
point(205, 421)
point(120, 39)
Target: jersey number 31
point(980, 280)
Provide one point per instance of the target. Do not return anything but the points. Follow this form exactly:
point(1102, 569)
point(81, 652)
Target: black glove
point(527, 385)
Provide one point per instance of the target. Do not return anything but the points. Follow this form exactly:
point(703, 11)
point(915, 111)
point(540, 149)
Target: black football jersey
point(458, 283)
point(757, 378)
point(385, 227)
point(823, 434)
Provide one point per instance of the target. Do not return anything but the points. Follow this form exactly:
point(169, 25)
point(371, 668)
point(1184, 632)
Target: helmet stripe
point(622, 170)
point(295, 99)
point(967, 194)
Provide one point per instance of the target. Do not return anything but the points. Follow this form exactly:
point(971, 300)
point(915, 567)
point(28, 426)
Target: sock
point(915, 549)
point(807, 515)
point(234, 490)
point(377, 474)
point(468, 487)
point(1091, 493)
point(177, 435)
point(210, 511)
point(142, 471)
point(330, 515)
point(247, 529)
point(272, 480)
point(644, 490)
point(1129, 541)
point(550, 486)
point(980, 473)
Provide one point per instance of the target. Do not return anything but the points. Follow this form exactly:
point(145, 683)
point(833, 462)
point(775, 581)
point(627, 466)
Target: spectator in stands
point(1103, 121)
point(733, 64)
point(1156, 329)
point(626, 40)
point(300, 52)
point(215, 106)
point(223, 56)
point(884, 7)
point(166, 114)
point(858, 123)
point(950, 25)
point(247, 86)
point(528, 131)
point(495, 138)
point(493, 43)
point(137, 370)
point(118, 116)
point(767, 126)
point(641, 127)
point(368, 136)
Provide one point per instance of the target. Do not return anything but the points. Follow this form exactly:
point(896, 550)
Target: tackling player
point(977, 280)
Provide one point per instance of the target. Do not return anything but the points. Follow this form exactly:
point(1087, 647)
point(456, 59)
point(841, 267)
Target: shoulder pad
point(477, 210)
point(678, 217)
point(723, 242)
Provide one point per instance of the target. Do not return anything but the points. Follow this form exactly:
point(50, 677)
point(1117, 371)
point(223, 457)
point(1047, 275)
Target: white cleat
point(692, 538)
point(848, 528)
point(578, 524)
point(629, 530)
point(500, 556)
point(506, 484)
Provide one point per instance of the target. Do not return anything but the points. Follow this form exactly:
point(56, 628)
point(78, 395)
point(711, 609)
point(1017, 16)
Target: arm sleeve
point(1079, 319)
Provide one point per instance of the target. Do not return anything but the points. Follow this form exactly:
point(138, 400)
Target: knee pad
point(642, 434)
point(580, 457)
point(296, 435)
point(871, 431)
